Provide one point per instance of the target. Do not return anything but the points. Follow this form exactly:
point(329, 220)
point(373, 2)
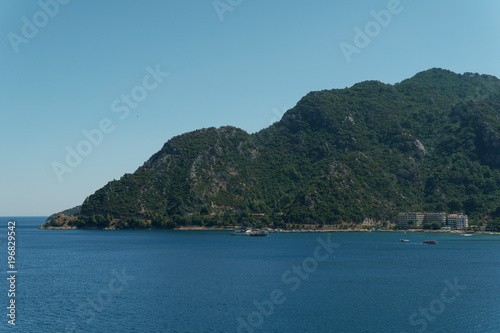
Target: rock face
point(429, 143)
point(420, 148)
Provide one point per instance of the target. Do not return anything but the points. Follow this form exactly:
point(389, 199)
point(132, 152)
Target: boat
point(258, 232)
point(466, 235)
point(404, 240)
point(241, 232)
point(431, 241)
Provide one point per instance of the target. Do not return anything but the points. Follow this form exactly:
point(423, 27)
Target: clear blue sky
point(245, 70)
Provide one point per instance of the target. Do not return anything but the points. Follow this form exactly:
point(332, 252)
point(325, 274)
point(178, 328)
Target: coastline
point(309, 230)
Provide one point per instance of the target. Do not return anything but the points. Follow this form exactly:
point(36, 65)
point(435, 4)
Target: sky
point(89, 90)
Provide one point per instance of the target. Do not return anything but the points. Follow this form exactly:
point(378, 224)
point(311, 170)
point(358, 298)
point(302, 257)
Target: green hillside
point(429, 143)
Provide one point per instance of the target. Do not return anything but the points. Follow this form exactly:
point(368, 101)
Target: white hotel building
point(454, 221)
point(457, 221)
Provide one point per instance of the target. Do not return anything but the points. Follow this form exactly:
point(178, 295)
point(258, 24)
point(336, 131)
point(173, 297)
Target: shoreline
point(200, 228)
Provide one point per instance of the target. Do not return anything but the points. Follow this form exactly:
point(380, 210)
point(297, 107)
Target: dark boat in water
point(432, 241)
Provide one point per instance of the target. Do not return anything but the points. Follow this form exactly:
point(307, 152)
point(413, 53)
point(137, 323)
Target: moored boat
point(258, 232)
point(431, 241)
point(241, 232)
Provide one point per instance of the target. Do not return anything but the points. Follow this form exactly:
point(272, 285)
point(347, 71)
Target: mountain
point(428, 143)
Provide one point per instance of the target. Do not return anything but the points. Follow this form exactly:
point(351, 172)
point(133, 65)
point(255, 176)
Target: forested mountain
point(430, 143)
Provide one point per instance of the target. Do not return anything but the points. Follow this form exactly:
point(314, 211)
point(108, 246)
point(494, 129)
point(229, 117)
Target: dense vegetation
point(494, 221)
point(430, 143)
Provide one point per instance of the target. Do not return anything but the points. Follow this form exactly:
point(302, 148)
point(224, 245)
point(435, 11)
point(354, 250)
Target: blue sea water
point(208, 281)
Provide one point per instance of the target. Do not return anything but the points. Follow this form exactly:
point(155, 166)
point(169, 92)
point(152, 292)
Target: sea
point(210, 281)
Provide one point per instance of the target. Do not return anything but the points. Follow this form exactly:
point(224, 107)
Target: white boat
point(258, 232)
point(241, 232)
point(466, 235)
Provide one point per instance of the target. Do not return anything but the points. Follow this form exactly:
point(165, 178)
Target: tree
point(455, 205)
point(170, 225)
point(493, 225)
point(227, 219)
point(472, 204)
point(135, 223)
point(433, 226)
point(178, 220)
point(206, 210)
point(101, 221)
point(158, 221)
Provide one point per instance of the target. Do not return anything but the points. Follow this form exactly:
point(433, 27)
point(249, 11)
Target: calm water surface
point(190, 281)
